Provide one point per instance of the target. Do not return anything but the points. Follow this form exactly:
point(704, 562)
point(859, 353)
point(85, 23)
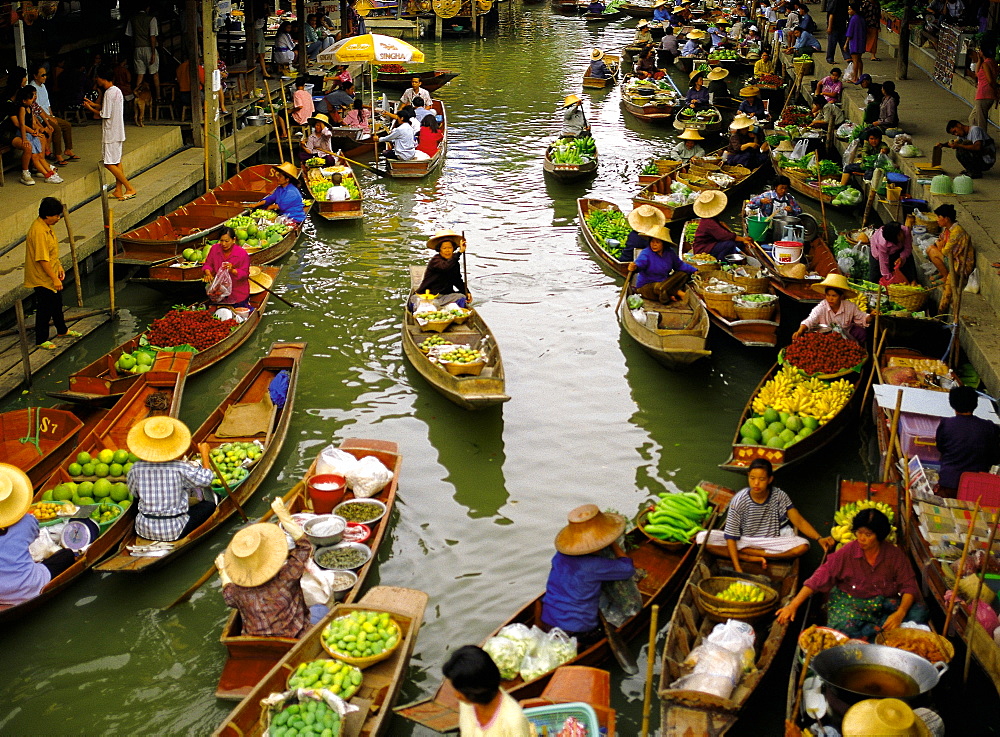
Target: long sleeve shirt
point(808, 41)
point(681, 152)
point(655, 267)
point(847, 316)
point(776, 200)
point(848, 570)
point(886, 253)
point(573, 591)
point(240, 260)
point(710, 231)
point(276, 608)
point(966, 443)
point(574, 120)
point(443, 276)
point(288, 198)
point(698, 97)
point(21, 578)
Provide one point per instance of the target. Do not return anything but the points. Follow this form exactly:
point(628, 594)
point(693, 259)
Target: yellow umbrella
point(371, 47)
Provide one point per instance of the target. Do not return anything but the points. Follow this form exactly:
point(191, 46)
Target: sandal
point(70, 334)
point(126, 197)
point(74, 157)
point(47, 345)
point(60, 163)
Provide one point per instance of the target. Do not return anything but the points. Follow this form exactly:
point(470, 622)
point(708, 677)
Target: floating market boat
point(665, 567)
point(381, 681)
point(604, 17)
point(556, 164)
point(468, 390)
point(247, 408)
point(613, 61)
point(586, 207)
point(38, 439)
point(744, 453)
point(679, 334)
point(795, 280)
point(419, 168)
point(571, 684)
point(430, 81)
point(248, 657)
point(648, 101)
point(636, 10)
point(663, 168)
point(689, 712)
point(157, 392)
point(804, 183)
point(708, 120)
point(101, 381)
point(317, 181)
point(697, 175)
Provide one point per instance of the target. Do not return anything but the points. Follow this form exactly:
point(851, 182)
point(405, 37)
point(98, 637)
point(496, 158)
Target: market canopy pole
point(192, 42)
point(300, 14)
point(210, 56)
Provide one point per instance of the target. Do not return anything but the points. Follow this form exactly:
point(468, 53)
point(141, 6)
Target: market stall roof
point(927, 402)
point(370, 47)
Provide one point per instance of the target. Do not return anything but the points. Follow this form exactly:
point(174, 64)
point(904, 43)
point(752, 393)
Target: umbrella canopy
point(370, 47)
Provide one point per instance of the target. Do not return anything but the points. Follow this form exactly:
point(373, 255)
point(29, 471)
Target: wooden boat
point(165, 380)
point(569, 172)
point(819, 260)
point(38, 439)
point(742, 455)
point(635, 10)
point(100, 382)
point(663, 167)
point(568, 7)
point(382, 680)
point(249, 657)
point(470, 392)
point(709, 125)
point(693, 175)
point(584, 207)
point(189, 226)
point(801, 183)
point(688, 712)
point(665, 568)
point(419, 168)
point(333, 211)
point(430, 81)
point(575, 683)
point(614, 62)
point(596, 18)
point(647, 109)
point(681, 333)
point(251, 390)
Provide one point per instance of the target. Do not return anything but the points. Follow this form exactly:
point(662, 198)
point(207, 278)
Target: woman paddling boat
point(443, 276)
point(286, 197)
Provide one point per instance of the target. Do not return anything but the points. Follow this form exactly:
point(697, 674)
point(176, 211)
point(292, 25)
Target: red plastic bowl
point(357, 532)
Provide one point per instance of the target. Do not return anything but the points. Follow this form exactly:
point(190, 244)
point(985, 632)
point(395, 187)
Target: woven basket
point(464, 369)
point(721, 303)
point(763, 312)
point(363, 663)
point(752, 284)
point(435, 326)
point(716, 609)
point(804, 67)
point(640, 521)
point(907, 298)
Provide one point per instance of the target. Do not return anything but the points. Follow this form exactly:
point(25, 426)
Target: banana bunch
point(844, 518)
point(861, 301)
point(777, 389)
point(789, 391)
point(742, 592)
point(829, 400)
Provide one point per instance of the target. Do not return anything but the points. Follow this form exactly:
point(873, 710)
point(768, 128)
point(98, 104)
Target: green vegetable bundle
point(678, 517)
point(650, 168)
point(609, 225)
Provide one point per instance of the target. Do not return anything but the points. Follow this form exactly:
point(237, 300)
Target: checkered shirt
point(162, 490)
point(276, 608)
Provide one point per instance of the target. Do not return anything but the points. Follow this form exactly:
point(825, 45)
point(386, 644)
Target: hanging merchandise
point(484, 6)
point(446, 8)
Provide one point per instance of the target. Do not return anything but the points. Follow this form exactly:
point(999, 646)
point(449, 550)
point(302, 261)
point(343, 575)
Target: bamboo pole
point(955, 348)
point(111, 259)
point(72, 251)
point(236, 144)
point(875, 369)
point(893, 437)
point(961, 565)
point(22, 335)
point(274, 121)
point(206, 137)
point(288, 122)
point(974, 610)
point(650, 665)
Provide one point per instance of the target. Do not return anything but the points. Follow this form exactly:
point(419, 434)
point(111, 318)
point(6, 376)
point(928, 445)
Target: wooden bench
point(4, 150)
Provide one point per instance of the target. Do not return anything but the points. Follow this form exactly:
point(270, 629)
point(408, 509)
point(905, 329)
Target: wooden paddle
point(628, 280)
point(207, 460)
point(380, 172)
point(791, 721)
point(619, 648)
point(650, 665)
point(273, 294)
point(961, 565)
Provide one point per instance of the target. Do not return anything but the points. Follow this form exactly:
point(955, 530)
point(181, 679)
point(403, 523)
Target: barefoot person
point(112, 113)
point(43, 272)
point(761, 523)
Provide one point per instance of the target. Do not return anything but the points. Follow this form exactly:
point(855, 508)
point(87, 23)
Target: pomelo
point(83, 458)
point(102, 488)
point(85, 488)
point(126, 362)
point(141, 368)
point(760, 422)
point(126, 468)
point(102, 470)
point(124, 503)
point(121, 457)
point(116, 469)
point(786, 436)
point(793, 423)
point(86, 500)
point(47, 496)
point(143, 359)
point(62, 492)
point(811, 422)
point(88, 468)
point(106, 456)
point(782, 417)
point(805, 432)
point(767, 436)
point(770, 415)
point(241, 234)
point(746, 440)
point(252, 230)
point(119, 492)
point(749, 429)
point(776, 427)
point(132, 457)
point(75, 469)
point(188, 254)
point(775, 443)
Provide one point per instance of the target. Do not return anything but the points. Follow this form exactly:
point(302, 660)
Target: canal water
point(592, 418)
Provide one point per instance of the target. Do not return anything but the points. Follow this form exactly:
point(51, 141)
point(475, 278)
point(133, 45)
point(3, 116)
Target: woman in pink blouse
point(836, 309)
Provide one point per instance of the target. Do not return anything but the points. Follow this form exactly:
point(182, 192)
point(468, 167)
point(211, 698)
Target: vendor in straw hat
point(163, 483)
point(711, 235)
point(746, 146)
point(286, 197)
point(752, 106)
point(661, 11)
point(836, 309)
point(662, 273)
point(642, 34)
point(598, 68)
point(318, 143)
point(697, 95)
point(717, 87)
point(687, 146)
point(21, 578)
point(262, 578)
point(574, 120)
point(692, 47)
point(644, 220)
point(587, 556)
point(443, 275)
point(886, 718)
point(228, 255)
point(778, 200)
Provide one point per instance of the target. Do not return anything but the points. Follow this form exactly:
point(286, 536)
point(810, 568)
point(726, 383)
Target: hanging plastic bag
point(972, 287)
point(801, 148)
point(368, 476)
point(336, 461)
point(849, 72)
point(221, 286)
point(849, 152)
point(845, 131)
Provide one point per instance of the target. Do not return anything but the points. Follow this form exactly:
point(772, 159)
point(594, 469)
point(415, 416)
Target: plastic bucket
point(893, 193)
point(787, 252)
point(758, 228)
point(326, 491)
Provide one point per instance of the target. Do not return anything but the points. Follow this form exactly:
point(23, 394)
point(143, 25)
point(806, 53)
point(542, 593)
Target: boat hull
point(674, 348)
point(585, 206)
point(420, 168)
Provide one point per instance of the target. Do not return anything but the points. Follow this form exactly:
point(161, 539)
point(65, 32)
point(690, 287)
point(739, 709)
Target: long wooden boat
point(189, 226)
point(574, 683)
point(339, 210)
point(100, 382)
point(585, 206)
point(681, 333)
point(664, 571)
point(688, 712)
point(250, 657)
point(164, 381)
point(742, 455)
point(569, 172)
point(711, 125)
point(38, 439)
point(636, 10)
point(656, 191)
point(818, 259)
point(382, 681)
point(801, 183)
point(663, 167)
point(430, 81)
point(419, 168)
point(251, 389)
point(649, 112)
point(613, 61)
point(470, 392)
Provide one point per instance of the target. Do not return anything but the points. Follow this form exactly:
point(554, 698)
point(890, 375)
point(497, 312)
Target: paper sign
point(927, 402)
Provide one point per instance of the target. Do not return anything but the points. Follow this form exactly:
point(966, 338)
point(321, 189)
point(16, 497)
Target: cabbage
point(910, 151)
point(507, 654)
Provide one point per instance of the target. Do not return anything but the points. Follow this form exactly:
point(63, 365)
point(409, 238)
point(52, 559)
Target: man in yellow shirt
point(44, 273)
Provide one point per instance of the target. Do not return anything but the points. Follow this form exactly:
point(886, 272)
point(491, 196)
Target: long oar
point(268, 290)
point(628, 280)
point(961, 566)
point(203, 447)
point(619, 648)
point(380, 172)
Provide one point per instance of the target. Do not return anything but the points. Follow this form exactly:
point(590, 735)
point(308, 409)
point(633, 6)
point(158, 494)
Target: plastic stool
point(974, 484)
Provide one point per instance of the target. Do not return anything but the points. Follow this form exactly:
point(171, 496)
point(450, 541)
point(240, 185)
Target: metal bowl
point(379, 506)
point(257, 120)
point(339, 523)
point(343, 546)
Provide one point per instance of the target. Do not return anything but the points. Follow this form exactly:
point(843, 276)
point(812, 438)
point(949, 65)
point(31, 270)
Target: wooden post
point(438, 27)
point(236, 144)
point(956, 348)
point(300, 13)
point(893, 430)
point(72, 251)
point(288, 121)
point(210, 54)
point(111, 259)
point(22, 333)
point(192, 43)
point(274, 120)
point(903, 59)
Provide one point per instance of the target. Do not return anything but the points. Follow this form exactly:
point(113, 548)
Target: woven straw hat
point(589, 530)
point(785, 147)
point(320, 118)
point(642, 24)
point(287, 169)
point(661, 234)
point(659, 3)
point(883, 718)
point(15, 494)
point(256, 554)
point(717, 74)
point(159, 439)
point(645, 218)
point(741, 121)
point(441, 236)
point(596, 54)
point(696, 73)
point(571, 100)
point(265, 279)
point(710, 203)
point(691, 134)
point(835, 281)
point(750, 91)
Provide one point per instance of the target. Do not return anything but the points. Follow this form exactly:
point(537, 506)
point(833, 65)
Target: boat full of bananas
point(742, 592)
point(843, 520)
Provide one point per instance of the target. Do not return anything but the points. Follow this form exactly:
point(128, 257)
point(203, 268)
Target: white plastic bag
point(716, 685)
point(849, 151)
point(42, 546)
point(221, 286)
point(506, 654)
point(972, 287)
point(801, 148)
point(368, 477)
point(336, 461)
point(734, 635)
point(714, 660)
point(849, 72)
point(424, 305)
point(317, 584)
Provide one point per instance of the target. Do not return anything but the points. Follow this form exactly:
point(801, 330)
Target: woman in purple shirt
point(870, 582)
point(891, 248)
point(21, 578)
point(856, 37)
point(662, 273)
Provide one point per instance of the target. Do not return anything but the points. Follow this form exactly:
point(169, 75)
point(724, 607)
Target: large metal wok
point(833, 664)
